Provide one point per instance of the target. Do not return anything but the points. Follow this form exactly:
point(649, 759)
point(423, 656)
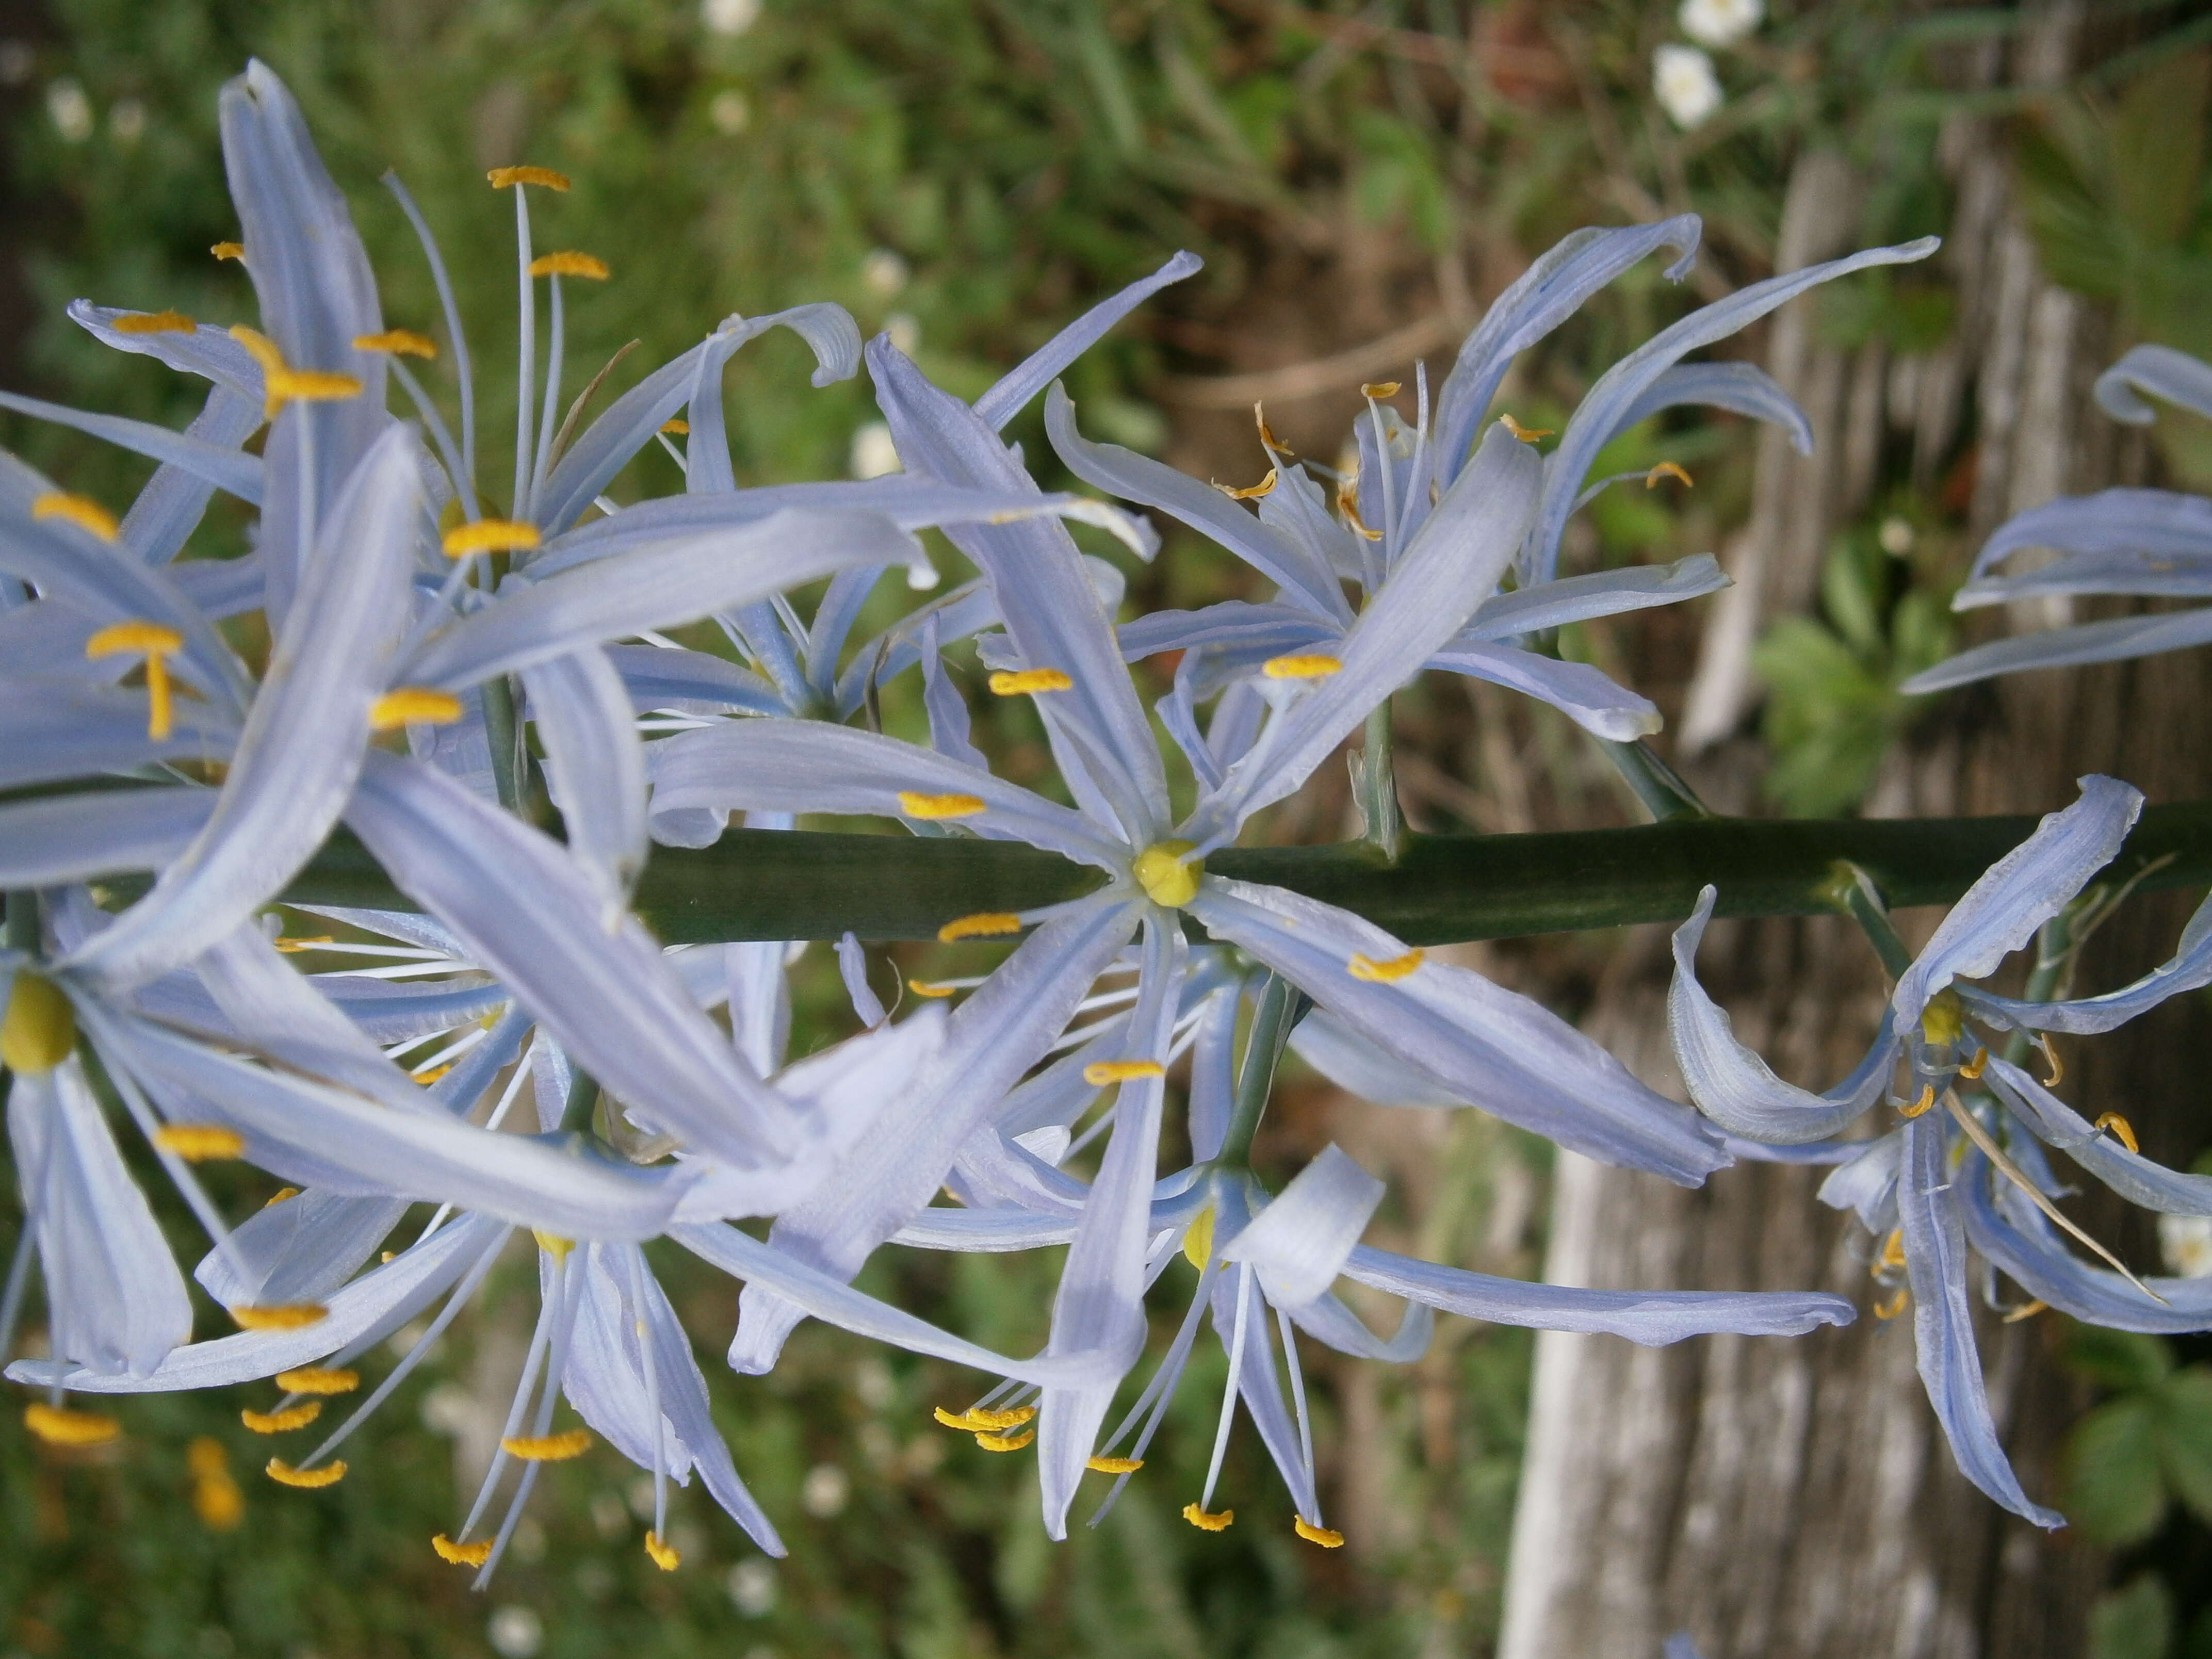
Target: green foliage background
point(1019, 158)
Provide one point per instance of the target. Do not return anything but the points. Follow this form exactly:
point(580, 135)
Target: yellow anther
point(1198, 1240)
point(399, 342)
point(292, 1416)
point(677, 427)
point(2026, 1310)
point(461, 1555)
point(2120, 1126)
point(1115, 1465)
point(1668, 470)
point(1347, 502)
point(1378, 389)
point(40, 1029)
point(2051, 1058)
point(939, 807)
point(282, 384)
point(285, 1316)
point(82, 511)
point(156, 641)
point(984, 924)
point(1328, 1537)
point(502, 177)
point(1386, 971)
point(982, 1418)
point(1251, 492)
point(317, 1379)
point(1944, 1019)
point(1302, 666)
point(280, 1195)
point(154, 322)
point(1893, 1250)
point(1926, 1101)
point(215, 1496)
point(548, 1448)
point(1267, 438)
point(569, 262)
point(425, 1079)
point(310, 1479)
point(1973, 1068)
point(230, 251)
point(1100, 1073)
point(1216, 1521)
point(490, 536)
point(1005, 1443)
point(306, 942)
point(413, 705)
point(200, 1143)
point(923, 988)
point(664, 1556)
point(58, 1425)
point(553, 1244)
point(1019, 682)
point(1169, 875)
point(1527, 435)
point(1894, 1306)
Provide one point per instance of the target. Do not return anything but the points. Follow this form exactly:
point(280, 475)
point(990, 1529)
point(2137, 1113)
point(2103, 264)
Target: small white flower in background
point(884, 273)
point(824, 1491)
point(127, 120)
point(1720, 22)
point(905, 329)
point(1896, 536)
point(729, 16)
point(609, 1516)
point(2186, 1242)
point(730, 112)
point(515, 1633)
point(752, 1585)
point(70, 111)
point(874, 1382)
point(874, 454)
point(1683, 81)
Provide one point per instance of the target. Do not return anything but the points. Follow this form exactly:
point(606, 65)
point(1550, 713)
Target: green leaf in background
point(2136, 1622)
point(2112, 1488)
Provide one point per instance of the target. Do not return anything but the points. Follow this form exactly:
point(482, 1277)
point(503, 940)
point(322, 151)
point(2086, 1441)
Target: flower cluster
point(449, 677)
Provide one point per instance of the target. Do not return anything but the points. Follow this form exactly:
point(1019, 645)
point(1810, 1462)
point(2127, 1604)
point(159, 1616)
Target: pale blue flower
point(1964, 1101)
point(2143, 544)
point(1403, 473)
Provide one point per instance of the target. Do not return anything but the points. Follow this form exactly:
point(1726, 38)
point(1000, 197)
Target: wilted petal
point(1943, 1318)
point(2153, 542)
point(2019, 893)
point(2187, 969)
point(1741, 388)
point(1733, 1085)
point(208, 351)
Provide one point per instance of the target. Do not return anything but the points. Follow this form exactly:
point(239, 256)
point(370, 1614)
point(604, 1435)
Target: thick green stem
point(1280, 1006)
point(766, 884)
